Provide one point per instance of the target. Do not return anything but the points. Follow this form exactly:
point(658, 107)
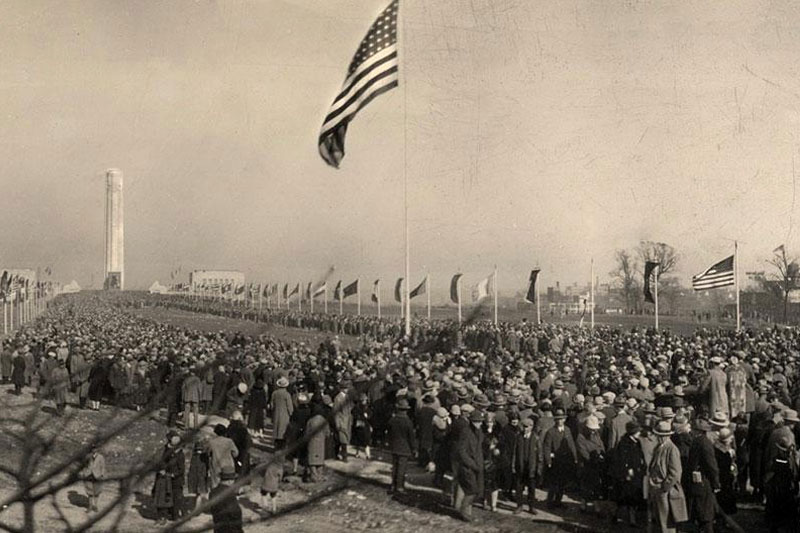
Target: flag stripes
point(718, 275)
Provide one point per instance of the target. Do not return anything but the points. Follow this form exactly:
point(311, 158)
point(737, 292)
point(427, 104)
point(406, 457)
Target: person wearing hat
point(560, 458)
point(190, 392)
point(59, 386)
point(282, 409)
point(441, 449)
point(725, 452)
point(362, 427)
point(79, 375)
point(781, 486)
point(93, 474)
point(665, 498)
point(222, 456)
point(591, 461)
point(168, 485)
point(526, 466)
point(627, 470)
point(616, 425)
point(704, 472)
point(343, 418)
point(402, 444)
point(715, 387)
point(470, 464)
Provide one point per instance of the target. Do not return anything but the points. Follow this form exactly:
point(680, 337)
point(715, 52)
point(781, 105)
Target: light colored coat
point(343, 417)
point(282, 409)
point(717, 388)
point(318, 429)
point(665, 494)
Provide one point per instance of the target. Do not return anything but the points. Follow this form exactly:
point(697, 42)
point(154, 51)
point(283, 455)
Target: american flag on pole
point(372, 72)
point(718, 275)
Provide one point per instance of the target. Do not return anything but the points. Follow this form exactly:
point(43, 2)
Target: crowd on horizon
point(670, 428)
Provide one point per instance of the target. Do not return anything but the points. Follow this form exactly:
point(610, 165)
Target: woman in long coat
point(59, 385)
point(666, 499)
point(627, 471)
point(168, 486)
point(317, 428)
point(256, 408)
point(362, 430)
point(282, 409)
point(591, 461)
point(343, 417)
point(18, 373)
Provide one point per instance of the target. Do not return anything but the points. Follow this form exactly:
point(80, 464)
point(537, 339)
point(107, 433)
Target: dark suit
point(704, 480)
point(402, 442)
point(526, 467)
point(560, 459)
point(469, 450)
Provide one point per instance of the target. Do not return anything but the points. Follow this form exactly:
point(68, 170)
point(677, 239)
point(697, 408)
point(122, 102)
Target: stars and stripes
point(372, 72)
point(718, 275)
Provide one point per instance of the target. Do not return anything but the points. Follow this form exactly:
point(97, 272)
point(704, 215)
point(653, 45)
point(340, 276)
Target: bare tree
point(784, 279)
point(625, 277)
point(663, 254)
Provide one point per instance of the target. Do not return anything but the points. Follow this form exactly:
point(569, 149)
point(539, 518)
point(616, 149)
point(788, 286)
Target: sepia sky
point(536, 133)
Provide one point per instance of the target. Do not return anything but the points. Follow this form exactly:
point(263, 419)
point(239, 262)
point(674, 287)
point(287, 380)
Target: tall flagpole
point(428, 293)
point(326, 297)
point(655, 281)
point(458, 287)
point(736, 277)
point(495, 295)
point(358, 293)
point(402, 72)
point(592, 294)
point(379, 298)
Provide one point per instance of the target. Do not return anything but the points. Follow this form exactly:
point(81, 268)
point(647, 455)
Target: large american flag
point(718, 275)
point(372, 72)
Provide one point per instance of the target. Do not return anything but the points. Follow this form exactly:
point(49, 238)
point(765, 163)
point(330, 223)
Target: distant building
point(214, 280)
point(114, 244)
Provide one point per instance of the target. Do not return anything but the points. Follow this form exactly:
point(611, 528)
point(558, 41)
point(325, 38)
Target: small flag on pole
point(483, 289)
point(296, 290)
point(398, 294)
point(454, 288)
point(321, 289)
point(337, 291)
point(530, 297)
point(375, 286)
point(372, 72)
point(350, 289)
point(285, 291)
point(419, 289)
point(719, 275)
point(649, 267)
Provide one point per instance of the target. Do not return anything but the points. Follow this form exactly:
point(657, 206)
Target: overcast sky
point(537, 133)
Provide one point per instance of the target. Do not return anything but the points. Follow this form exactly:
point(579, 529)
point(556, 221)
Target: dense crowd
point(638, 424)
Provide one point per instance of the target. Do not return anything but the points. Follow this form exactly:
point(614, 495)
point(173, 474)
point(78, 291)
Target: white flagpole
point(428, 293)
point(312, 298)
point(326, 298)
point(736, 277)
point(592, 294)
point(378, 290)
point(358, 292)
point(341, 301)
point(407, 303)
point(655, 281)
point(300, 297)
point(495, 295)
point(458, 292)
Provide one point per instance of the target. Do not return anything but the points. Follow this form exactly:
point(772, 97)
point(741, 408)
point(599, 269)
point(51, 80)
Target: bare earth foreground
point(353, 497)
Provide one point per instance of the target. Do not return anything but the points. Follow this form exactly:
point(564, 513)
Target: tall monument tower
point(115, 248)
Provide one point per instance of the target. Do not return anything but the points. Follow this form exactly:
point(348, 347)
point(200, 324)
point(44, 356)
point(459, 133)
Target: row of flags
point(17, 287)
point(720, 274)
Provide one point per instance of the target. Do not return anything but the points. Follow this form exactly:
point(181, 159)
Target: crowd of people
point(638, 425)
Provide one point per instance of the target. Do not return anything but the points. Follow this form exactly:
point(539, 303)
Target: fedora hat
point(592, 422)
point(500, 400)
point(720, 420)
point(666, 413)
point(663, 429)
point(282, 382)
point(559, 414)
point(790, 415)
point(476, 416)
point(402, 404)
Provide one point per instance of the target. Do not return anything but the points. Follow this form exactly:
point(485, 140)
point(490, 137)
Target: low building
point(215, 280)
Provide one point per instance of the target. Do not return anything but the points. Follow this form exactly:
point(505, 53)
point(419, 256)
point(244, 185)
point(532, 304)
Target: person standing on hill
point(402, 444)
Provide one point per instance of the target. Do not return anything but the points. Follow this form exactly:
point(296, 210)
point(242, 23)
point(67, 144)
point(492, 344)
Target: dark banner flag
point(296, 290)
point(454, 288)
point(308, 291)
point(649, 266)
point(419, 289)
point(285, 291)
point(350, 289)
point(337, 291)
point(398, 295)
point(530, 297)
point(375, 287)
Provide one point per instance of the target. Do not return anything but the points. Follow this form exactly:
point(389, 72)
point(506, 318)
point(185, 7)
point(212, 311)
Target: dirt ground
point(352, 498)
